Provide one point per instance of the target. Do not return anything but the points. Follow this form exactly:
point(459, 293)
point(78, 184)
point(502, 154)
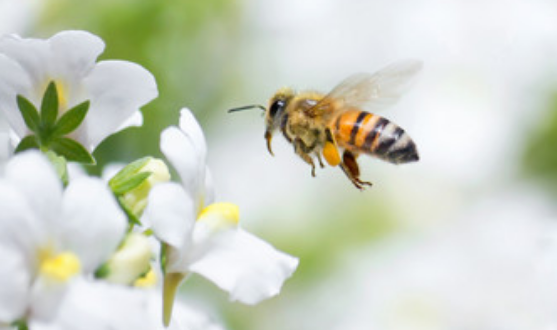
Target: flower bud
point(130, 262)
point(133, 185)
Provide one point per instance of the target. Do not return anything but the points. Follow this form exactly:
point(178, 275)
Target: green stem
point(170, 286)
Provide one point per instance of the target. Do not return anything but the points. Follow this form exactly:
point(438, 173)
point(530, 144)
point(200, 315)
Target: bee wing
point(370, 92)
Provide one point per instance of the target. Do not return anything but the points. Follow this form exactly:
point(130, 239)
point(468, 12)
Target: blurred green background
point(483, 114)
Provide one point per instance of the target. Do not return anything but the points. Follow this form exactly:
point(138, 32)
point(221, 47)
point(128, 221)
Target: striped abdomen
point(363, 132)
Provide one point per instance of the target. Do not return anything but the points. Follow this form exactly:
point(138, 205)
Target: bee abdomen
point(361, 131)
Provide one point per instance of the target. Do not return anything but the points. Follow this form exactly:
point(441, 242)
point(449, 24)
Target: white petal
point(101, 306)
point(34, 56)
point(171, 215)
point(247, 267)
point(191, 128)
point(5, 149)
point(184, 157)
point(117, 90)
point(19, 226)
point(46, 297)
point(33, 174)
point(14, 288)
point(92, 223)
point(74, 54)
point(14, 80)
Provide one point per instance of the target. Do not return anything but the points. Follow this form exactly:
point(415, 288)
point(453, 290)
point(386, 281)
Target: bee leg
point(320, 160)
point(303, 151)
point(352, 170)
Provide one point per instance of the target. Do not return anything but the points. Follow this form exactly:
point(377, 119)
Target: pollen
point(330, 153)
point(60, 267)
point(223, 213)
point(147, 281)
point(62, 96)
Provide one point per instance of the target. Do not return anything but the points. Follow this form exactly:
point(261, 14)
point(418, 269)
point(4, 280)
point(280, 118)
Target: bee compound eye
point(276, 107)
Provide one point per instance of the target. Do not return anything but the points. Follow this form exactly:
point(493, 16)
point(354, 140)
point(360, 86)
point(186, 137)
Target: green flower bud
point(134, 182)
point(130, 262)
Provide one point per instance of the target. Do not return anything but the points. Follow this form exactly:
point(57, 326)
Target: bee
point(342, 121)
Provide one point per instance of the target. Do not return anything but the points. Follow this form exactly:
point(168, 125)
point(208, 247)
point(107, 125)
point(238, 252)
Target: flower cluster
point(81, 252)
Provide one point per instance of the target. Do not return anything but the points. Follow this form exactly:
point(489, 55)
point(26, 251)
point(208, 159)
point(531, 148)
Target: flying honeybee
point(317, 124)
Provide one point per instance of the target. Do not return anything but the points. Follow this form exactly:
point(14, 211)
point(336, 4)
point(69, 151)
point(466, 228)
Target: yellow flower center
point(220, 214)
point(60, 267)
point(62, 95)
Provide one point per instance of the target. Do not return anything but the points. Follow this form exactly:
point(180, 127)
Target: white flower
point(50, 235)
point(205, 238)
point(116, 89)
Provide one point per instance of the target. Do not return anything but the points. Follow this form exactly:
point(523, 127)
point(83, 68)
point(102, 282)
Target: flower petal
point(45, 298)
point(117, 89)
point(20, 228)
point(14, 80)
point(34, 56)
point(5, 149)
point(33, 174)
point(74, 54)
point(191, 128)
point(100, 306)
point(14, 290)
point(247, 267)
point(184, 156)
point(171, 215)
point(92, 223)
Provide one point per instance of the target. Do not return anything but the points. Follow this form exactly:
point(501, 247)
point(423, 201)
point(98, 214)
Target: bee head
point(274, 113)
point(276, 107)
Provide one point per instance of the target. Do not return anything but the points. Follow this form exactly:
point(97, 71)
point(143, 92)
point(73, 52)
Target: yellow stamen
point(60, 267)
point(225, 213)
point(62, 95)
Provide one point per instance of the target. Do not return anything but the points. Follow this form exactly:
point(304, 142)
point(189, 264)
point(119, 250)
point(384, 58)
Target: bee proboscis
point(320, 125)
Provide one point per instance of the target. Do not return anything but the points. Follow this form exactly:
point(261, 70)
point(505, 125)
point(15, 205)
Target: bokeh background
point(464, 239)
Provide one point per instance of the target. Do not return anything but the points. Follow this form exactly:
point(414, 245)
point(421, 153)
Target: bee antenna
point(247, 107)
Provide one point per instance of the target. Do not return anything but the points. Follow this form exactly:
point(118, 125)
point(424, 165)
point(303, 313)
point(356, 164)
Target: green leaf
point(132, 182)
point(71, 150)
point(130, 169)
point(60, 165)
point(71, 119)
point(49, 106)
point(29, 113)
point(102, 271)
point(28, 142)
